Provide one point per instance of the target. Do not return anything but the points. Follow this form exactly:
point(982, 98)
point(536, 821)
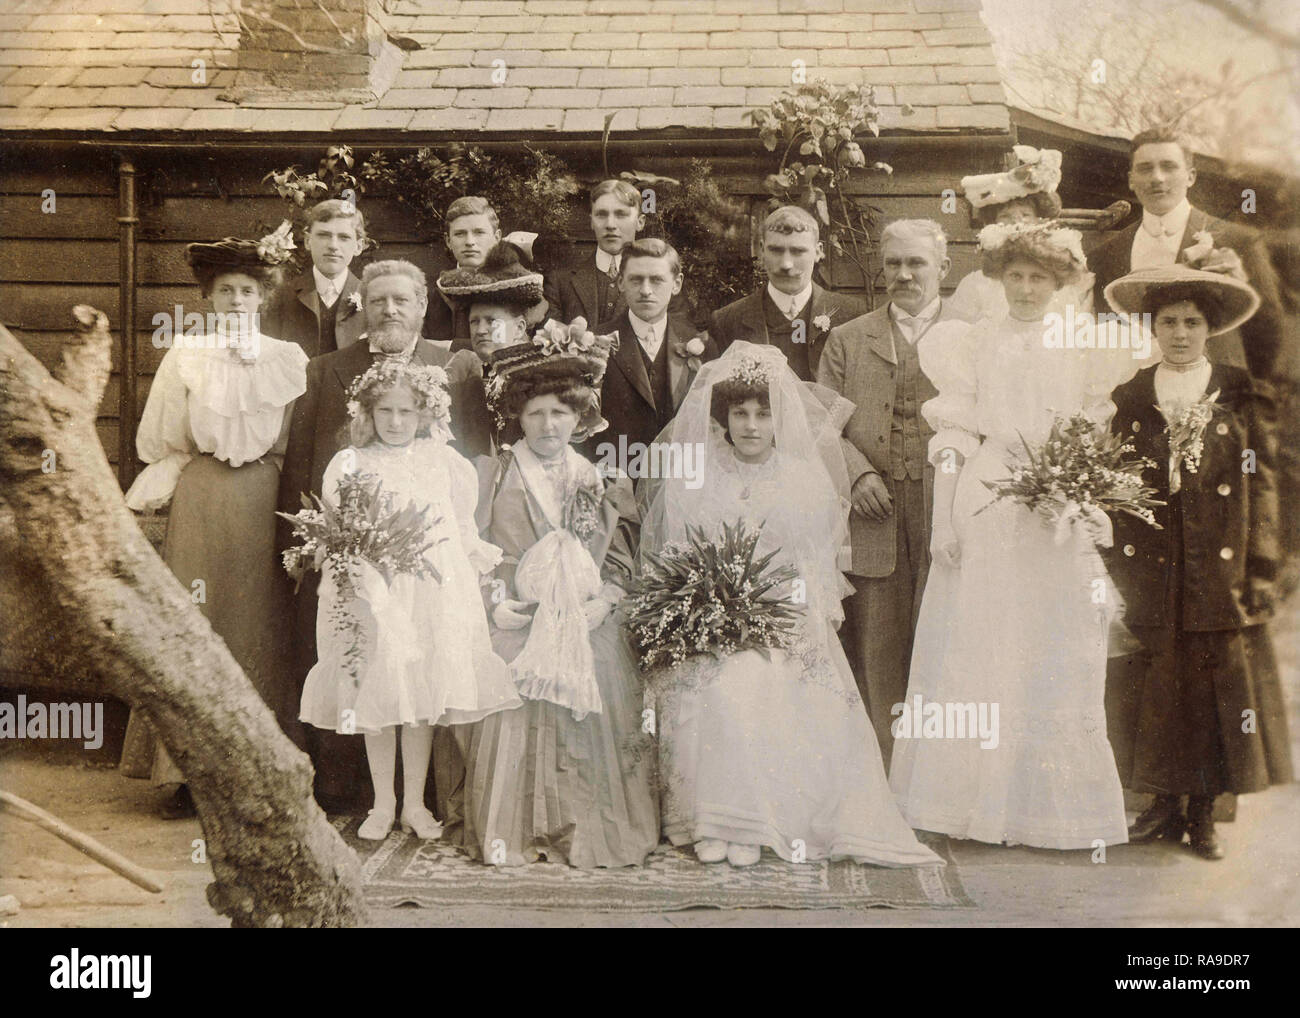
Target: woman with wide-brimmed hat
point(567, 776)
point(1208, 716)
point(213, 433)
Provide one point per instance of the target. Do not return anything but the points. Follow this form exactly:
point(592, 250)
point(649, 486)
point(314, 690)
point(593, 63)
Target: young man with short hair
point(591, 289)
point(650, 370)
point(792, 312)
point(1160, 174)
point(321, 310)
point(472, 229)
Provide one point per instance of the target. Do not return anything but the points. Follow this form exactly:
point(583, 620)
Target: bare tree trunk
point(122, 615)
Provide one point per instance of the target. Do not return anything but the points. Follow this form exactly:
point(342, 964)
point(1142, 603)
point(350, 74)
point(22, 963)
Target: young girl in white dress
point(428, 657)
point(1009, 618)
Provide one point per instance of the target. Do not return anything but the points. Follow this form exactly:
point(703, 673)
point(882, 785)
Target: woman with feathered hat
point(213, 434)
point(566, 777)
point(1208, 715)
point(1024, 194)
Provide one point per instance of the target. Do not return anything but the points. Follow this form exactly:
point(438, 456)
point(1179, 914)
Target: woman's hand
point(597, 610)
point(507, 615)
point(871, 498)
point(944, 546)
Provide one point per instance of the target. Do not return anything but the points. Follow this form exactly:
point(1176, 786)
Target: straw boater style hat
point(1039, 172)
point(570, 352)
point(1238, 298)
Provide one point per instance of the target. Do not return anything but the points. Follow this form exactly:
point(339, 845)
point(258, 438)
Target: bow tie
point(1155, 225)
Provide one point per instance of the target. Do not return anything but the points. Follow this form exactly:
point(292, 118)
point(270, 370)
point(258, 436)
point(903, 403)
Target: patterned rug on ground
point(405, 871)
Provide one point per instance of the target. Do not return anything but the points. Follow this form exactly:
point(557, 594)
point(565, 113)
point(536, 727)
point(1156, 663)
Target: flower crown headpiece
point(752, 371)
point(1063, 238)
point(429, 384)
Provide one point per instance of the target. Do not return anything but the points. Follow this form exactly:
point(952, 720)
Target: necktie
point(792, 312)
point(613, 269)
point(328, 296)
point(1155, 225)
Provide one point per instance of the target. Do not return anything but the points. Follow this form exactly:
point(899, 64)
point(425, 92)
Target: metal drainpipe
point(126, 403)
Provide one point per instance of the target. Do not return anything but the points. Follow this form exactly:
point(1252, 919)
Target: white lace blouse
point(207, 400)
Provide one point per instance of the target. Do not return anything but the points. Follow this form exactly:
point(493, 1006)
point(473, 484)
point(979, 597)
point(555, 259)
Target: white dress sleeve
point(947, 353)
point(343, 462)
point(483, 556)
point(163, 439)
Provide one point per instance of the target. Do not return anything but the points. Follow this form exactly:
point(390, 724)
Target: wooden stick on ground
point(83, 842)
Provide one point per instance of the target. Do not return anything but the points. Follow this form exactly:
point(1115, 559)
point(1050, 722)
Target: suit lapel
point(590, 282)
point(819, 305)
point(629, 360)
point(880, 337)
point(350, 362)
point(753, 319)
point(307, 296)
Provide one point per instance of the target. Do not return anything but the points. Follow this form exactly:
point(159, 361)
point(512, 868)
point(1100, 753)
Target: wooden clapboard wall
point(49, 262)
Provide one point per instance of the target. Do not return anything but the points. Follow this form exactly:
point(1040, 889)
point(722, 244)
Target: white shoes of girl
point(715, 850)
point(376, 825)
point(420, 822)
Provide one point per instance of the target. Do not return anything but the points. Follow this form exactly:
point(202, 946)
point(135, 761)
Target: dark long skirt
point(1209, 716)
point(221, 530)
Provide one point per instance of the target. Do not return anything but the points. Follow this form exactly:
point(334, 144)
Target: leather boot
point(1162, 819)
point(1200, 827)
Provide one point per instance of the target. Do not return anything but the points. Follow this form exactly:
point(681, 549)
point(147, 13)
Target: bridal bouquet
point(363, 543)
point(1186, 431)
point(707, 597)
point(1075, 474)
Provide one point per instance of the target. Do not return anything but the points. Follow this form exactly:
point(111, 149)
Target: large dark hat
point(232, 253)
point(500, 279)
point(570, 352)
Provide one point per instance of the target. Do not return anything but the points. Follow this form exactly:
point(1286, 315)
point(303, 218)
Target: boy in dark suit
point(473, 229)
point(321, 309)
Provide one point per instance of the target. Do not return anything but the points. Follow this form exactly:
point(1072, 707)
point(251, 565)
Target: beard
point(392, 337)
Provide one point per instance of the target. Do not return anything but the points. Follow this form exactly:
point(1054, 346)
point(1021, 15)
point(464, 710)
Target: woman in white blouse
point(213, 434)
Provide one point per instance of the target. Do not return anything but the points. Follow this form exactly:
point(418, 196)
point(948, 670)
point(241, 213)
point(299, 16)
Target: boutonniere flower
point(353, 304)
point(822, 323)
point(1203, 246)
point(689, 350)
point(1186, 431)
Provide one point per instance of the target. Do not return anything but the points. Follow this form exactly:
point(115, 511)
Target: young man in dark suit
point(1160, 173)
point(395, 296)
point(591, 288)
point(792, 312)
point(473, 229)
point(321, 309)
point(657, 356)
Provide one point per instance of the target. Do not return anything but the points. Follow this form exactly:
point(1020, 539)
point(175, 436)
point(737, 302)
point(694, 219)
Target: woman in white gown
point(1010, 617)
point(775, 752)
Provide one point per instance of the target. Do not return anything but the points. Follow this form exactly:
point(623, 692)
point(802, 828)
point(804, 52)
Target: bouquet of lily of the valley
point(1186, 431)
point(362, 544)
point(706, 596)
point(1079, 475)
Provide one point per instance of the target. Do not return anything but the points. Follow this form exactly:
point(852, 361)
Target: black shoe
point(1200, 828)
point(180, 806)
point(1163, 819)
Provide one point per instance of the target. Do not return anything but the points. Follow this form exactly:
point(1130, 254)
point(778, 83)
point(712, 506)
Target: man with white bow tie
point(1160, 174)
point(872, 362)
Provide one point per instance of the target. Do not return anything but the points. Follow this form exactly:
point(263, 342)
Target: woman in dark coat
point(1209, 714)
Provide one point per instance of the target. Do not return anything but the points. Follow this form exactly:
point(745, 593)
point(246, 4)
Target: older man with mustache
point(395, 297)
point(872, 361)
